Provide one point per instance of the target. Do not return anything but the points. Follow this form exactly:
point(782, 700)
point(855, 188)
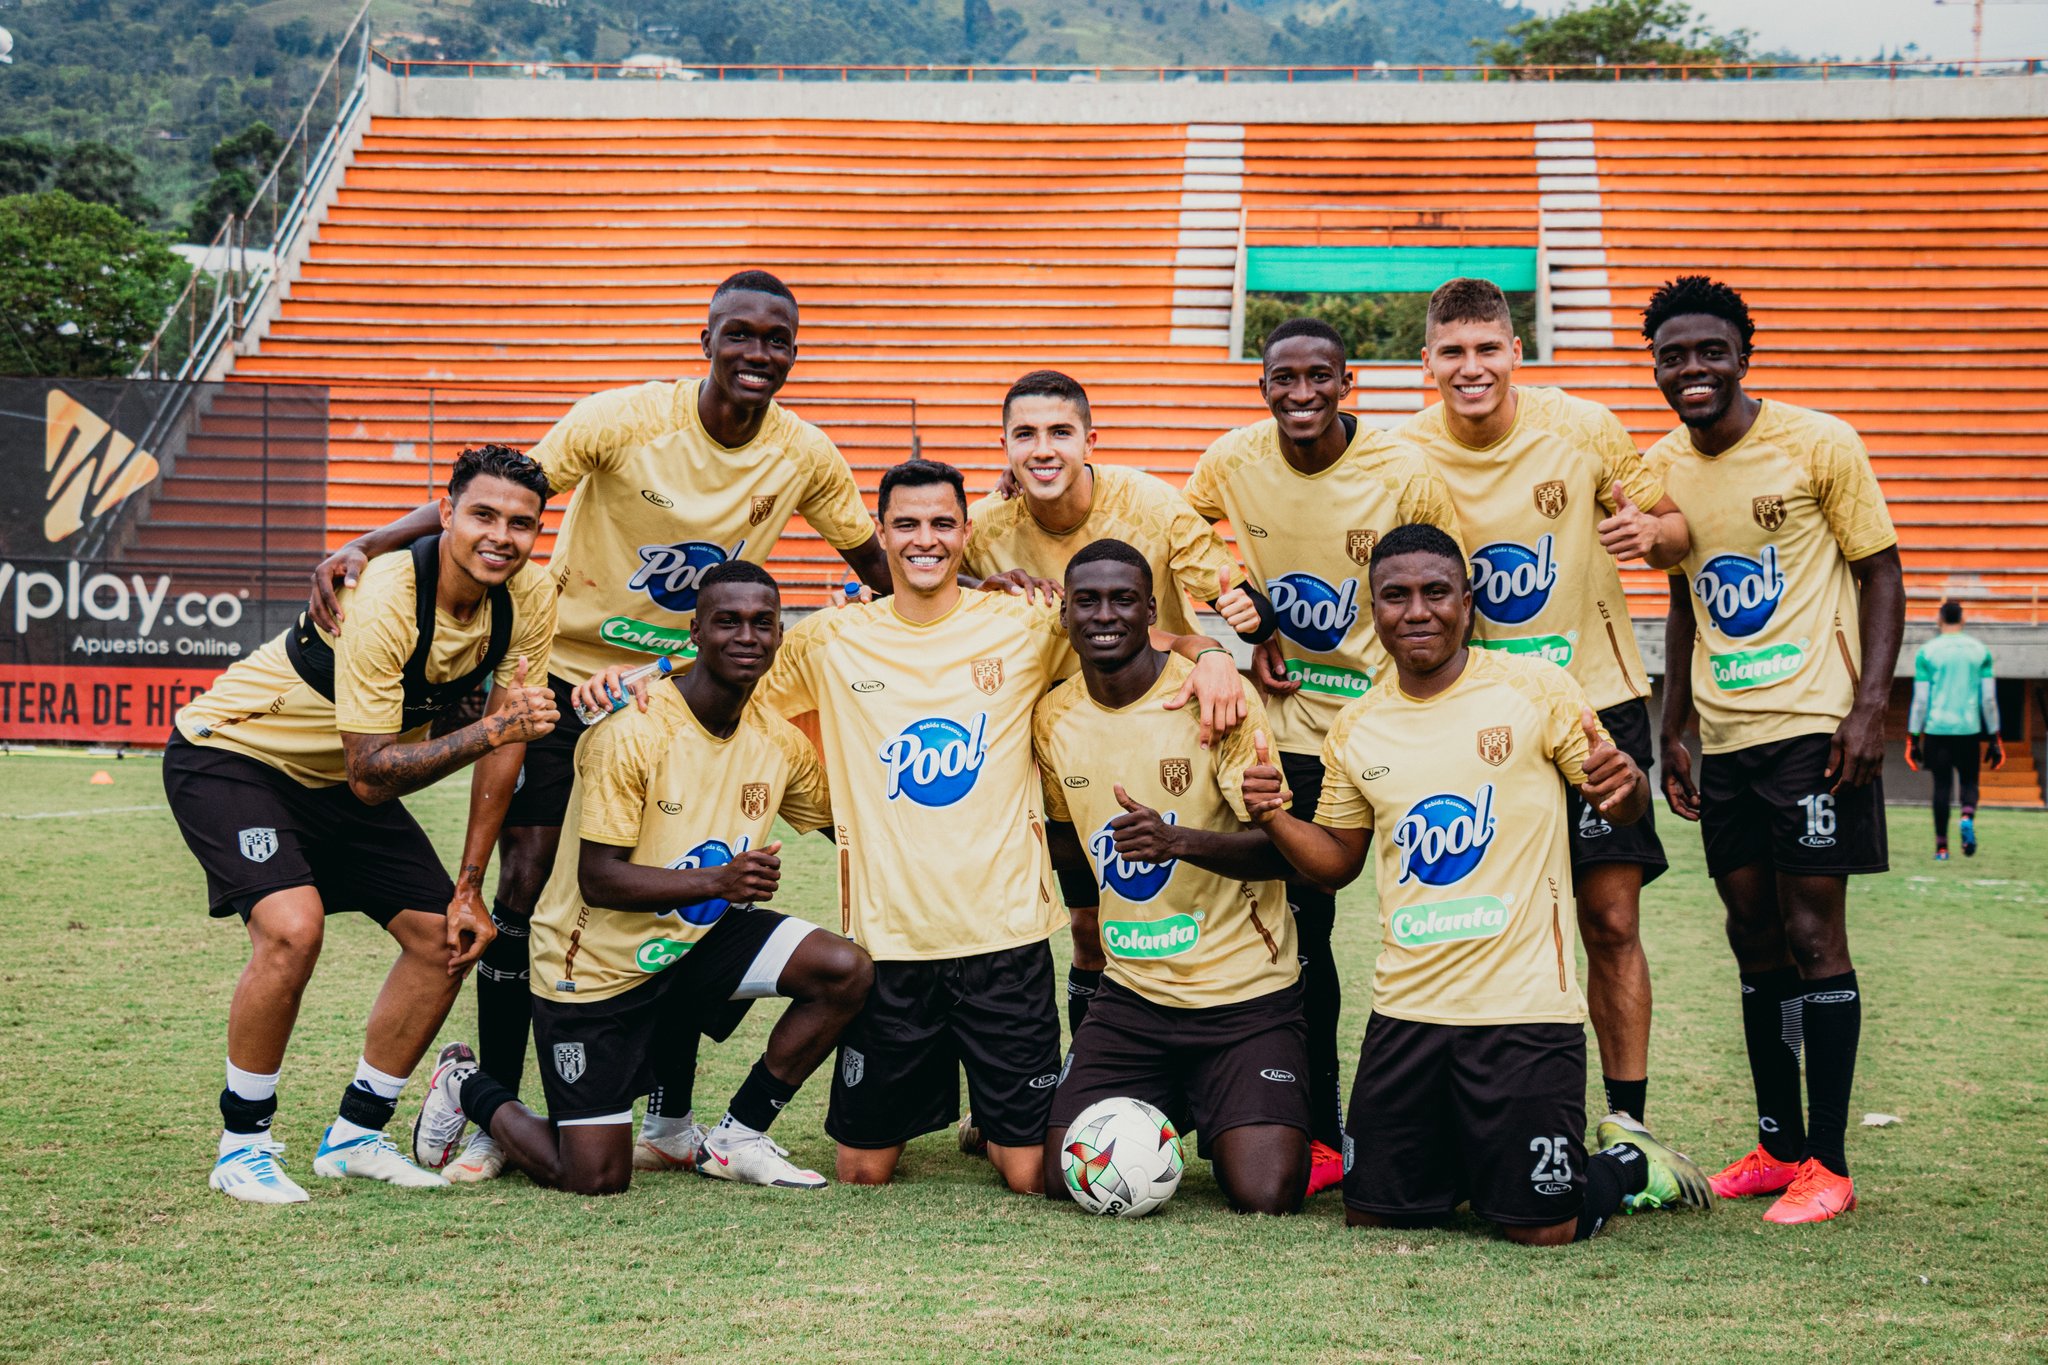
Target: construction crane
point(1977, 25)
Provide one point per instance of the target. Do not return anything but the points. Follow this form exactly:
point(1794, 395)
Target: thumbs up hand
point(1610, 773)
point(1631, 533)
point(1264, 786)
point(1235, 605)
point(1142, 834)
point(522, 713)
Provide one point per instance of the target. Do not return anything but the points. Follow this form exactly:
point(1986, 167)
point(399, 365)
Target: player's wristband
point(1212, 649)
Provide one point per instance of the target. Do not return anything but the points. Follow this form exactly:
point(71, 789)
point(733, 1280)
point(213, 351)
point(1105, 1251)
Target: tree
point(98, 173)
point(239, 163)
point(1617, 33)
point(82, 288)
point(24, 163)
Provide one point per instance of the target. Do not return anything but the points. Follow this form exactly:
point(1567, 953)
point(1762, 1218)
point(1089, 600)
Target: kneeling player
point(1201, 1012)
point(283, 777)
point(1472, 1079)
point(648, 932)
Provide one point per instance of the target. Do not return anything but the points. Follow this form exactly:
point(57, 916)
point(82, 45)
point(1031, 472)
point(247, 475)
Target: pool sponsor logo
point(1740, 594)
point(670, 573)
point(1312, 613)
point(1134, 881)
point(1511, 582)
point(1442, 838)
point(936, 761)
point(710, 853)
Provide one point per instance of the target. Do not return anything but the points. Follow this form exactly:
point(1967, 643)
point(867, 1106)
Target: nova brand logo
point(1313, 614)
point(80, 466)
point(1740, 594)
point(1511, 582)
point(710, 853)
point(1442, 838)
point(1133, 881)
point(670, 573)
point(936, 761)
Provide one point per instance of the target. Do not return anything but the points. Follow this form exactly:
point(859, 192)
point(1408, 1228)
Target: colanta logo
point(1511, 582)
point(1313, 614)
point(670, 573)
point(710, 853)
point(1169, 937)
point(1740, 594)
point(936, 761)
point(86, 457)
point(1134, 881)
point(1442, 838)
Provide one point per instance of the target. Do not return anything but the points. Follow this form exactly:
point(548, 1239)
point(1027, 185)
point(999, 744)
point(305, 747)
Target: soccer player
point(1955, 708)
point(1782, 635)
point(284, 777)
point(1201, 1010)
point(1309, 492)
point(651, 926)
point(1472, 1078)
point(924, 703)
point(670, 479)
point(1550, 493)
point(1065, 502)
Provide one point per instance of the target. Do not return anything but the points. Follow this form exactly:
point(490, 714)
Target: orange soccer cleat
point(1325, 1167)
point(1758, 1172)
point(1817, 1194)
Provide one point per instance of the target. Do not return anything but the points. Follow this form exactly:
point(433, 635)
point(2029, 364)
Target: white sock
point(235, 1142)
point(341, 1131)
point(249, 1085)
point(381, 1084)
point(666, 1125)
point(733, 1128)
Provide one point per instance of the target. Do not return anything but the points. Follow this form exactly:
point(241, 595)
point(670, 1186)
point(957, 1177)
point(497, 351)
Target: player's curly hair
point(1418, 538)
point(1468, 300)
point(1305, 327)
point(1698, 294)
point(499, 462)
point(734, 571)
point(1116, 551)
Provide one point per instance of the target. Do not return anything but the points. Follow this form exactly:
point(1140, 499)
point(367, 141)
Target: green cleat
point(1673, 1178)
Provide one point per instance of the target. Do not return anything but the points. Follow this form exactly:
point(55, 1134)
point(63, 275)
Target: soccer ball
point(1121, 1157)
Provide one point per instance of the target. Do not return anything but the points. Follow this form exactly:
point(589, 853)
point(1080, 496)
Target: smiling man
point(1309, 492)
point(1472, 1077)
point(670, 478)
point(1201, 1010)
point(1783, 632)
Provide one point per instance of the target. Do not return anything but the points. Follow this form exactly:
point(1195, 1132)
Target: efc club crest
point(1358, 545)
point(758, 513)
point(569, 1062)
point(1769, 511)
point(1496, 743)
point(1550, 498)
point(1175, 774)
point(988, 675)
point(754, 800)
point(258, 844)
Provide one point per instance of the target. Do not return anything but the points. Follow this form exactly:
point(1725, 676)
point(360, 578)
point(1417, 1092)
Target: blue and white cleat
point(371, 1157)
point(252, 1175)
point(1969, 836)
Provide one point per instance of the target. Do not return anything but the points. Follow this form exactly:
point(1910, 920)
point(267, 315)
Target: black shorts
point(257, 832)
point(1594, 840)
point(542, 795)
point(900, 1059)
point(1224, 1067)
point(597, 1058)
point(1493, 1113)
point(1773, 804)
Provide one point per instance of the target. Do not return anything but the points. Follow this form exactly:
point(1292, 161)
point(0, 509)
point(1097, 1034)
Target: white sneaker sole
point(256, 1192)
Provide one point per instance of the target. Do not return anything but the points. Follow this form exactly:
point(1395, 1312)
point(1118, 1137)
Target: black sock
point(365, 1108)
point(1834, 1024)
point(482, 1096)
point(1610, 1176)
point(675, 1078)
point(1625, 1097)
point(504, 1000)
point(1772, 1015)
point(1081, 987)
point(238, 1115)
point(760, 1097)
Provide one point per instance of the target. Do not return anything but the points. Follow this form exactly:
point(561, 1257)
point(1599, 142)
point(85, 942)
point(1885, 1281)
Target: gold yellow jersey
point(1176, 934)
point(1775, 519)
point(1531, 505)
point(1465, 798)
point(659, 783)
point(927, 735)
point(262, 709)
point(1308, 539)
point(658, 502)
point(1185, 553)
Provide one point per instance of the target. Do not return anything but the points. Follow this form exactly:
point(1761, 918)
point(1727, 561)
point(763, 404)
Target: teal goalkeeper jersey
point(1954, 692)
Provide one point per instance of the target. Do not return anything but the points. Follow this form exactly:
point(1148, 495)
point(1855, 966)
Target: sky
point(1861, 28)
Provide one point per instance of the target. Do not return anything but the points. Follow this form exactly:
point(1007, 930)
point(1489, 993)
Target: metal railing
point(407, 67)
point(1369, 224)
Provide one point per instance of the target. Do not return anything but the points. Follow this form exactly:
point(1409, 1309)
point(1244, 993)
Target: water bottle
point(660, 668)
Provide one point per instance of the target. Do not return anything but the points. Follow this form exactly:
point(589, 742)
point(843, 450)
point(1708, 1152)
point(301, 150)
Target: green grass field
point(112, 1011)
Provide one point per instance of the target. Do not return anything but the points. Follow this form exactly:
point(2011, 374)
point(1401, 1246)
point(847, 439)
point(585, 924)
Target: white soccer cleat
point(675, 1152)
point(373, 1157)
point(439, 1126)
point(481, 1159)
point(252, 1175)
point(753, 1159)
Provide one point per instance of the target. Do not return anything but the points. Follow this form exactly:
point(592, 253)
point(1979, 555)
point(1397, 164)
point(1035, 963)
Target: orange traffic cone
point(102, 778)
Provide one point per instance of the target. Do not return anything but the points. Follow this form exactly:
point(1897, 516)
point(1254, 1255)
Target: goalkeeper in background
point(1955, 708)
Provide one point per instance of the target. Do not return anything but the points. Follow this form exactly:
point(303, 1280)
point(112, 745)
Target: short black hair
point(1419, 538)
point(735, 571)
point(1117, 552)
point(1049, 384)
point(499, 462)
point(1469, 300)
point(753, 282)
point(1698, 294)
point(1305, 327)
point(1951, 613)
point(918, 473)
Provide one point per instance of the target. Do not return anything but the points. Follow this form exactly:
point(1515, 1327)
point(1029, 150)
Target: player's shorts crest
point(1496, 742)
point(1768, 511)
point(852, 1066)
point(1175, 774)
point(570, 1059)
point(988, 675)
point(258, 844)
point(1358, 545)
point(1550, 498)
point(754, 800)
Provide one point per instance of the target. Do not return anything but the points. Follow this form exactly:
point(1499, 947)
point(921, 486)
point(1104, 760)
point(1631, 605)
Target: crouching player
point(649, 932)
point(284, 778)
point(1472, 1080)
point(1200, 1010)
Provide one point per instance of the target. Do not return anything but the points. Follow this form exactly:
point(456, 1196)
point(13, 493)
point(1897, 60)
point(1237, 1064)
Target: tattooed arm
point(381, 769)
